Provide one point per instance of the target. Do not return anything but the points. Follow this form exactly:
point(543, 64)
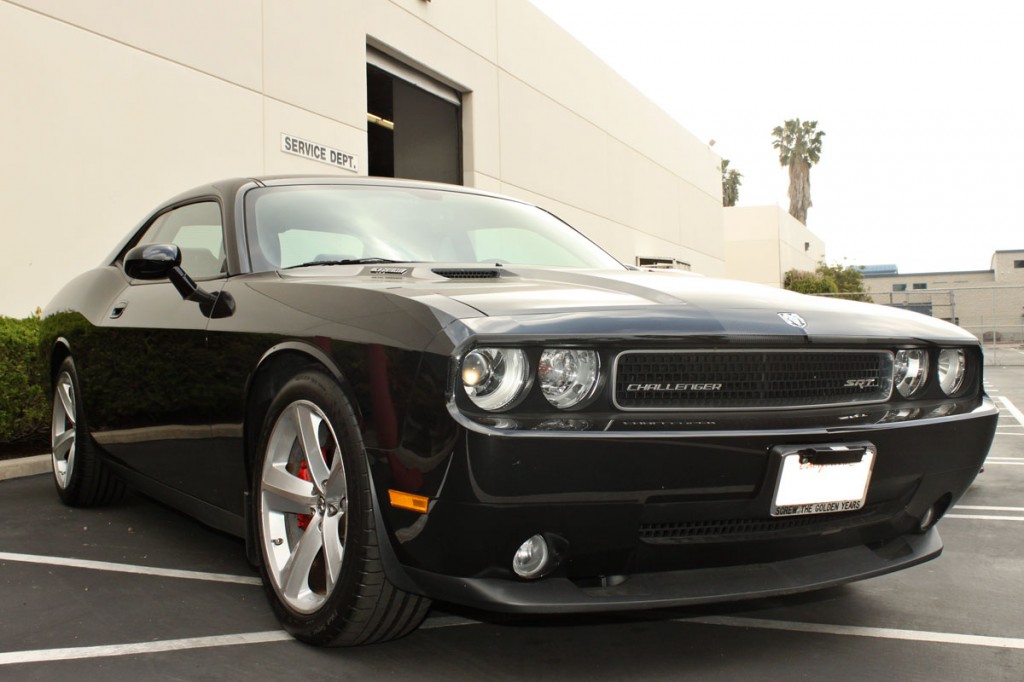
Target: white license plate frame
point(809, 483)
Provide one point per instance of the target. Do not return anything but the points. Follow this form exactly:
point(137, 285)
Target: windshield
point(294, 226)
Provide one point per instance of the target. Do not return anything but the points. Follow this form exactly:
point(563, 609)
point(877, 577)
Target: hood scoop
point(468, 273)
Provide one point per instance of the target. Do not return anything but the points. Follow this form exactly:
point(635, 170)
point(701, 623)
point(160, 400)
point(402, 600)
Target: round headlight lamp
point(911, 371)
point(952, 369)
point(494, 378)
point(568, 376)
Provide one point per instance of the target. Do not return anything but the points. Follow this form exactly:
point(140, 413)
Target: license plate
point(823, 479)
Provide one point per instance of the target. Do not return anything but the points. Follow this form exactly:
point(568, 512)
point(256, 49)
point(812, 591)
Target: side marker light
point(416, 503)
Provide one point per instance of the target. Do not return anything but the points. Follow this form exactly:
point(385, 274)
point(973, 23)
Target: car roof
point(230, 186)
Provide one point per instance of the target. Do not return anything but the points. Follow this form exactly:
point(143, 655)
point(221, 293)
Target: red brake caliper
point(303, 520)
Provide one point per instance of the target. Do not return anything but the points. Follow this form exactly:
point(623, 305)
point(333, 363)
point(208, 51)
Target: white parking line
point(973, 507)
point(437, 622)
point(270, 636)
point(1012, 409)
point(983, 517)
point(129, 568)
point(105, 651)
point(858, 631)
point(136, 648)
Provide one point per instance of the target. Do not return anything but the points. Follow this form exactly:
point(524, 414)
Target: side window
point(196, 230)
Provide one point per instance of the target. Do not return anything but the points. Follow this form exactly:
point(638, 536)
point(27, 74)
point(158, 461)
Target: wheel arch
point(277, 365)
point(61, 349)
point(273, 370)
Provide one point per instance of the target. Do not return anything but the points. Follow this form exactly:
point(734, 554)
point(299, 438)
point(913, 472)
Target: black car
point(398, 392)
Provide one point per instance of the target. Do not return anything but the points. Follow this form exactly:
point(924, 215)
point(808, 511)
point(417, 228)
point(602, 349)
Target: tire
point(80, 476)
point(313, 511)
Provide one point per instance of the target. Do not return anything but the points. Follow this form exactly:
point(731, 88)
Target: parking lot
point(138, 591)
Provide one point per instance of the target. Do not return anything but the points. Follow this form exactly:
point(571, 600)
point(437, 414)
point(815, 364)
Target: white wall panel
point(111, 106)
point(311, 51)
point(218, 37)
point(95, 134)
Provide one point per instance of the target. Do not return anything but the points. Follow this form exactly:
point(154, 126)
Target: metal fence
point(995, 314)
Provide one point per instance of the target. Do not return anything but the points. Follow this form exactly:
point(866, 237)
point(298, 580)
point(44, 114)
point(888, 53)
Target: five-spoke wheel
point(62, 429)
point(303, 506)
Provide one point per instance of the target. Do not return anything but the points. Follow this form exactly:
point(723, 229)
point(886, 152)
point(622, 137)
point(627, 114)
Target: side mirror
point(152, 261)
point(163, 261)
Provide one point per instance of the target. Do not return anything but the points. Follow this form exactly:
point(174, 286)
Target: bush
point(845, 280)
point(24, 409)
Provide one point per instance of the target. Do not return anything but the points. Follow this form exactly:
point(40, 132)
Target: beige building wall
point(763, 243)
point(115, 105)
point(988, 303)
point(1008, 266)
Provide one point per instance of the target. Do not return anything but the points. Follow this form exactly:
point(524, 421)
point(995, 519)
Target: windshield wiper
point(347, 261)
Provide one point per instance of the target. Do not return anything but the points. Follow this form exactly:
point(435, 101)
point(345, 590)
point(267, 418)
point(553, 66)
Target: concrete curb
point(24, 466)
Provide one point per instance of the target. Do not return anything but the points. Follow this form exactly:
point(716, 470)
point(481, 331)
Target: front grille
point(750, 379)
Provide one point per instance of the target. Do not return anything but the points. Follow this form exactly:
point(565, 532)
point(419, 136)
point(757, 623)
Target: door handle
point(118, 309)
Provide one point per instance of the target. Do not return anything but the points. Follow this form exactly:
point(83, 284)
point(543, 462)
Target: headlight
point(952, 366)
point(494, 378)
point(911, 371)
point(568, 376)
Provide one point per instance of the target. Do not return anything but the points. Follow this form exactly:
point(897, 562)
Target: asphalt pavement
point(139, 591)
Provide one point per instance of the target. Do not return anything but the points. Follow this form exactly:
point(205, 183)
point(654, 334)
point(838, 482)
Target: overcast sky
point(922, 105)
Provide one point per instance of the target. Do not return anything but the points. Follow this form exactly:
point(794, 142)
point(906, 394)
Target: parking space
point(138, 591)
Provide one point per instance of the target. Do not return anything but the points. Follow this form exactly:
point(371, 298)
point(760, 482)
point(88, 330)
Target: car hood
point(554, 301)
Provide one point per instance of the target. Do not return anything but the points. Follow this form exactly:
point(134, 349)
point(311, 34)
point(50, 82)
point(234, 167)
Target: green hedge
point(24, 407)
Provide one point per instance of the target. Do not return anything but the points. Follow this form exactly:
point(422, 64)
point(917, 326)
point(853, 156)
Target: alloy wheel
point(303, 507)
point(63, 435)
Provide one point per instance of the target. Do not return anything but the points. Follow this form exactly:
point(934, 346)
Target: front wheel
point(317, 534)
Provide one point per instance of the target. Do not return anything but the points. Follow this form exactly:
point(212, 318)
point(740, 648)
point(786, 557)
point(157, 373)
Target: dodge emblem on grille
point(793, 320)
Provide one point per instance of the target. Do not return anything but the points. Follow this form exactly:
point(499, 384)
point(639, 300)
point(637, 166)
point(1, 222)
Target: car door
point(150, 395)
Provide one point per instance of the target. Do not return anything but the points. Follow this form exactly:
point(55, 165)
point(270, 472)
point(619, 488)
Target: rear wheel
point(317, 534)
point(78, 473)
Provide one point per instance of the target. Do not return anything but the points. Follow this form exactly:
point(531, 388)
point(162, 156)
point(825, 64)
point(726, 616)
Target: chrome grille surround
point(749, 379)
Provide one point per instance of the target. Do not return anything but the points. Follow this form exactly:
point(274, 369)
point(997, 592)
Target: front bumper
point(648, 520)
point(685, 587)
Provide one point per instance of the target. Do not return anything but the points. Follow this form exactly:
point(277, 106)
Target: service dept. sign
point(318, 152)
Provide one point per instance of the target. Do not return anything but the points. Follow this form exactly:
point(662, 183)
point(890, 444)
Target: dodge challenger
point(399, 392)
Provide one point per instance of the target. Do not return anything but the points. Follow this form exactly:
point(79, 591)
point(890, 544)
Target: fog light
point(927, 520)
point(531, 558)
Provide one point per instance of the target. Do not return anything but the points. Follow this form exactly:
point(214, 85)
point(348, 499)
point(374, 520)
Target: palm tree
point(799, 146)
point(730, 184)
